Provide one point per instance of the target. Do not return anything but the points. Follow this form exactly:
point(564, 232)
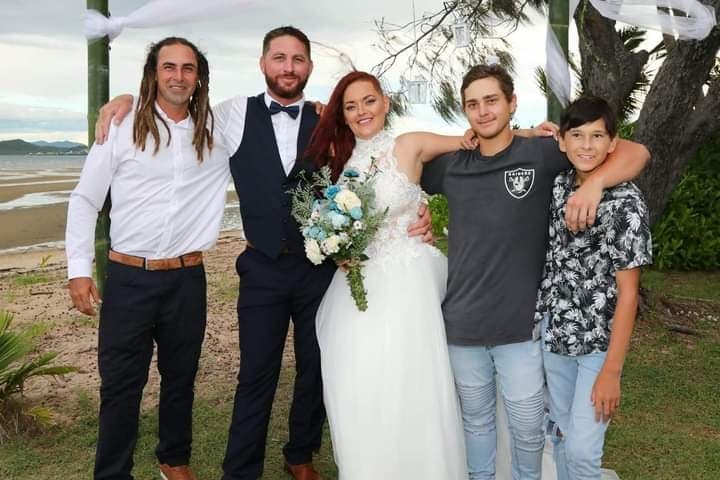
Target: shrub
point(440, 215)
point(688, 235)
point(16, 369)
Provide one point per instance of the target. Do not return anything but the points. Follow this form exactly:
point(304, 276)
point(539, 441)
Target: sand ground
point(33, 287)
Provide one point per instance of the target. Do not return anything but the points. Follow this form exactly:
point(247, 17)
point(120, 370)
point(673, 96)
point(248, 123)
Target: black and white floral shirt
point(578, 289)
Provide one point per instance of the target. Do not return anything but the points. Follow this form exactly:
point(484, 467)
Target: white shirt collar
point(269, 98)
point(186, 122)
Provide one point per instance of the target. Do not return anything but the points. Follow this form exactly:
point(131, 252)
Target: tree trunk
point(676, 117)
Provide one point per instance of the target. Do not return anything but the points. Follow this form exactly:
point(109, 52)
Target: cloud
point(15, 118)
point(41, 44)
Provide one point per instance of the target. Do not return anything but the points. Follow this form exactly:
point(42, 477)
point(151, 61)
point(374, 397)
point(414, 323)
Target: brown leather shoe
point(181, 472)
point(304, 471)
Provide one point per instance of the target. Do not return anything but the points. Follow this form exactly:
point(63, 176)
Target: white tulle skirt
point(388, 386)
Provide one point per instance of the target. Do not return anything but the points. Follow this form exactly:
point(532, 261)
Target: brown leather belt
point(191, 259)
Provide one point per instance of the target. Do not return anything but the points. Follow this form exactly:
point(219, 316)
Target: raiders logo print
point(519, 182)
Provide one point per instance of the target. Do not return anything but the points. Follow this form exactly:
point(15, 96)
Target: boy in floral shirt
point(588, 296)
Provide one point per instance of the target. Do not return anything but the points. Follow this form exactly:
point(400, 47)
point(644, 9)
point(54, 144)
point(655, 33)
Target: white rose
point(343, 237)
point(312, 251)
point(330, 245)
point(347, 200)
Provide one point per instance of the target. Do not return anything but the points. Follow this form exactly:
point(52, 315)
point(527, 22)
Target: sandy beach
point(33, 287)
point(31, 226)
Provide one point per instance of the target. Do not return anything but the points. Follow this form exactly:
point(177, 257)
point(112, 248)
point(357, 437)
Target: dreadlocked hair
point(146, 114)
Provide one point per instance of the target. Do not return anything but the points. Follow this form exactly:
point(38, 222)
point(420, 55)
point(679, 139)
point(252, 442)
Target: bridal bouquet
point(338, 221)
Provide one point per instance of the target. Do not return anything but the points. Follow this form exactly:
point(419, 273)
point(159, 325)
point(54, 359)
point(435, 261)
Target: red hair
point(332, 141)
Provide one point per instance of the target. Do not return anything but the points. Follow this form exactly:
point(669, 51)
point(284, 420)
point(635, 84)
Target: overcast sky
point(43, 86)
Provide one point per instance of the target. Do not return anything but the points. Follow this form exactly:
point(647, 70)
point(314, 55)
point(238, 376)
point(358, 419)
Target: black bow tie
point(292, 110)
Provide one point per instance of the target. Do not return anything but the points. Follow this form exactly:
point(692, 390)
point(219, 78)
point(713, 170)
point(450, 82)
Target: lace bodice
point(392, 190)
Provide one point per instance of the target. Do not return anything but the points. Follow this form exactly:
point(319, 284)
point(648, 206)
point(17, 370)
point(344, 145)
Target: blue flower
point(351, 173)
point(331, 191)
point(338, 220)
point(356, 213)
point(314, 232)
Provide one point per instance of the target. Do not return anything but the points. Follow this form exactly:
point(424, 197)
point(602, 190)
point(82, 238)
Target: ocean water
point(17, 171)
point(39, 163)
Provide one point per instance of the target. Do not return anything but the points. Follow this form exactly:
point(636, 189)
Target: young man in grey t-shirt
point(499, 196)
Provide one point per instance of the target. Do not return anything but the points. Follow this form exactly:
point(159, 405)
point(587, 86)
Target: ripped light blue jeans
point(520, 373)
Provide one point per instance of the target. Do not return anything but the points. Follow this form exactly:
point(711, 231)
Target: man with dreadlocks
point(167, 180)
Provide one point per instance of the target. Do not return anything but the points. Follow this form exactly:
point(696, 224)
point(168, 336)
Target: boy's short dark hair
point(281, 32)
point(496, 71)
point(587, 109)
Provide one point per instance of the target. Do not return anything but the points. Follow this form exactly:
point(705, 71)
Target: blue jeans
point(519, 371)
point(578, 452)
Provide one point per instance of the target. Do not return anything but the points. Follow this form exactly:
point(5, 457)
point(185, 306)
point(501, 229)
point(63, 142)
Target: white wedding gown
point(388, 386)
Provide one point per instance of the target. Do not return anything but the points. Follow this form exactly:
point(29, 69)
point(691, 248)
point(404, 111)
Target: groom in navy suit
point(268, 134)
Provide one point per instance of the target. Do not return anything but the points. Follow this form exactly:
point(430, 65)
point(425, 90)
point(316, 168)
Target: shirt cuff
point(79, 267)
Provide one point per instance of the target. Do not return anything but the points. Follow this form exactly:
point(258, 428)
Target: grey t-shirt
point(496, 237)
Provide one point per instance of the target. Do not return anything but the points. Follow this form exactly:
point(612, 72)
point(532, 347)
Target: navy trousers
point(141, 308)
point(272, 291)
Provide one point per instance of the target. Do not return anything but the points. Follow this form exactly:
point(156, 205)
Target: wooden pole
point(98, 93)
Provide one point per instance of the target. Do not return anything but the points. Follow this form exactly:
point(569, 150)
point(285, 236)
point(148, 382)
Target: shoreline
point(33, 210)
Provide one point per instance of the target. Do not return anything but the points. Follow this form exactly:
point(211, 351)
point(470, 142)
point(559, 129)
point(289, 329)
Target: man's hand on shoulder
point(84, 294)
point(545, 129)
point(581, 207)
point(319, 107)
point(423, 225)
point(115, 110)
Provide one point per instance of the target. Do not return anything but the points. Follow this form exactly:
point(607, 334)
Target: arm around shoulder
point(425, 146)
point(626, 162)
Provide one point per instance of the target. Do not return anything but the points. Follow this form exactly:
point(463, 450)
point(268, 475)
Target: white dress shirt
point(163, 205)
point(230, 121)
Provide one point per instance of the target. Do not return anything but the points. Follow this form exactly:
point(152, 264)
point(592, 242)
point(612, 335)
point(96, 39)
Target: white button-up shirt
point(163, 205)
point(230, 120)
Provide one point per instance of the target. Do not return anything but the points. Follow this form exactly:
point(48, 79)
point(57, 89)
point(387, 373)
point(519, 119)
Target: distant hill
point(62, 144)
point(21, 147)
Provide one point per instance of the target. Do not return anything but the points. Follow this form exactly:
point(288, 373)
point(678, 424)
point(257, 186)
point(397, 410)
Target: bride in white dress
point(388, 387)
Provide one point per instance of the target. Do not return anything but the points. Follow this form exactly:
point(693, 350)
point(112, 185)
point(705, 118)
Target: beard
point(282, 92)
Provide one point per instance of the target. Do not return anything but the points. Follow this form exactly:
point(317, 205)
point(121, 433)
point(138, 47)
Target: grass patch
point(27, 279)
point(695, 285)
point(69, 452)
point(224, 288)
point(668, 426)
point(81, 320)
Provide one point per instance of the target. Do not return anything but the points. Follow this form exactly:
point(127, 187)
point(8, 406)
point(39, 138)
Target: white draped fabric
point(158, 12)
point(696, 24)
